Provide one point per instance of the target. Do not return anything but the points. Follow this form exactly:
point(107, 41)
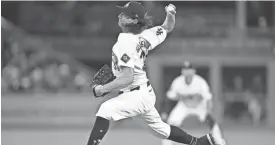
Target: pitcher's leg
point(123, 106)
point(99, 130)
point(101, 126)
point(162, 130)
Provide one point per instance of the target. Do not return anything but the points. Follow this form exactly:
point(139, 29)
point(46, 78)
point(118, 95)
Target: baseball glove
point(102, 77)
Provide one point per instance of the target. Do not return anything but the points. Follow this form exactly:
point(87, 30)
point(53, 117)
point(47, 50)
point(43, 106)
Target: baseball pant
point(139, 105)
point(181, 111)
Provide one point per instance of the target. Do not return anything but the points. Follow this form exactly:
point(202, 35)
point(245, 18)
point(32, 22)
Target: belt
point(136, 88)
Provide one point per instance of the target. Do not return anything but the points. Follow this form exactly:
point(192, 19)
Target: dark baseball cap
point(133, 9)
point(187, 69)
point(187, 65)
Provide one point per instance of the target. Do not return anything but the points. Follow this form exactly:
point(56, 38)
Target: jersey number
point(143, 48)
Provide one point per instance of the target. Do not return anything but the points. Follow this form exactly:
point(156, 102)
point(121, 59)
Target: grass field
point(123, 137)
point(40, 120)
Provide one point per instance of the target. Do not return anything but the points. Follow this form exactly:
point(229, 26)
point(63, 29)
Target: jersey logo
point(143, 47)
point(159, 31)
point(143, 43)
point(125, 58)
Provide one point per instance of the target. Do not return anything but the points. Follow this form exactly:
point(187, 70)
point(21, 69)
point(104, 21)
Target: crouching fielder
point(194, 98)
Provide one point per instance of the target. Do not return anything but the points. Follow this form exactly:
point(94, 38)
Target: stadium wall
point(159, 62)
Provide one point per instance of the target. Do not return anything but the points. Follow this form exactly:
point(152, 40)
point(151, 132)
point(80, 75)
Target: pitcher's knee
point(161, 131)
point(106, 111)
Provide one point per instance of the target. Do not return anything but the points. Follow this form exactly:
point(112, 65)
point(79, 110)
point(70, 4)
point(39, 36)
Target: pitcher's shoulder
point(125, 43)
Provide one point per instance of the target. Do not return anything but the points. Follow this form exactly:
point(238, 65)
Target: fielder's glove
point(102, 77)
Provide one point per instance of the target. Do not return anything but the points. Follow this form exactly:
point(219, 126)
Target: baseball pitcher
point(136, 97)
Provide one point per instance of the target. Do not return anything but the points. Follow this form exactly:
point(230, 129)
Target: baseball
point(171, 8)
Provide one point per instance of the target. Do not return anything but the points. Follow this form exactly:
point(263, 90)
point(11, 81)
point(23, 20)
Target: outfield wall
point(157, 63)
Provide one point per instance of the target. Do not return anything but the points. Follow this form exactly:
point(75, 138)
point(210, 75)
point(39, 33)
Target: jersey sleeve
point(155, 35)
point(125, 55)
point(205, 90)
point(172, 93)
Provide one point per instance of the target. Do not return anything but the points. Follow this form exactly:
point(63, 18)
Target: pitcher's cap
point(133, 9)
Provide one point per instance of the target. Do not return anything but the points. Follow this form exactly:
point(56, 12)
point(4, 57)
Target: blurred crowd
point(245, 100)
point(85, 18)
point(28, 70)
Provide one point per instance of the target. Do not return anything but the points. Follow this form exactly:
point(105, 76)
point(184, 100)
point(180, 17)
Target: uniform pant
point(139, 105)
point(181, 111)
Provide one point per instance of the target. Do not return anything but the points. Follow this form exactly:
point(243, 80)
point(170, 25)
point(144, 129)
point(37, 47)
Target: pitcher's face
point(124, 20)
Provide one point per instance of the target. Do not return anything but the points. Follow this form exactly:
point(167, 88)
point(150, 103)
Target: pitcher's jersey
point(198, 86)
point(131, 50)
